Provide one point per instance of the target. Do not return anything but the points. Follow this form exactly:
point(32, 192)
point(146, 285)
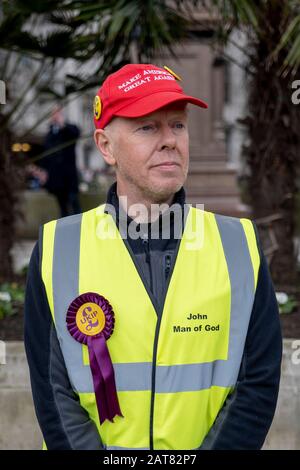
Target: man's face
point(151, 153)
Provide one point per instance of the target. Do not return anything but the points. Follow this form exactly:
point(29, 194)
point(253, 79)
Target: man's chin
point(164, 192)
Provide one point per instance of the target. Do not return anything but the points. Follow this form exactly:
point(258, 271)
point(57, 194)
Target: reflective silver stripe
point(191, 377)
point(137, 376)
point(126, 448)
point(241, 275)
point(65, 289)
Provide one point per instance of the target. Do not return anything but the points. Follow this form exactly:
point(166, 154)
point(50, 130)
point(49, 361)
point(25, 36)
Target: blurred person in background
point(57, 172)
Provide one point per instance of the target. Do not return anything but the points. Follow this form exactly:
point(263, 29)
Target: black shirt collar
point(122, 219)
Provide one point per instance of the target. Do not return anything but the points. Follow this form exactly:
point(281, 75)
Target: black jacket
point(246, 416)
point(61, 164)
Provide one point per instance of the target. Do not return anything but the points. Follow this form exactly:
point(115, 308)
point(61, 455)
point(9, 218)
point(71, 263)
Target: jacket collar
point(122, 219)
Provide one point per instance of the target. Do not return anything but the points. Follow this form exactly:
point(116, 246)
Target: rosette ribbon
point(90, 320)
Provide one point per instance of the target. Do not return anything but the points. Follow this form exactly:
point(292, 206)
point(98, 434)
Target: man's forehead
point(175, 109)
point(172, 110)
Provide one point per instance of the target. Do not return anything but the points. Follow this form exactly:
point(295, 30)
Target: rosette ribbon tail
point(103, 378)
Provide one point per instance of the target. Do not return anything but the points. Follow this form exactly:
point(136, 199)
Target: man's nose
point(168, 138)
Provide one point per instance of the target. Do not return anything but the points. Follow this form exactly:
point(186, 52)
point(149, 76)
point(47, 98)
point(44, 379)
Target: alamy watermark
point(171, 224)
point(2, 92)
point(296, 354)
point(296, 95)
point(2, 353)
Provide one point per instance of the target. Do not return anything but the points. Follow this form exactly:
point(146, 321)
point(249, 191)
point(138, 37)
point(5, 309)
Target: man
point(60, 166)
point(150, 324)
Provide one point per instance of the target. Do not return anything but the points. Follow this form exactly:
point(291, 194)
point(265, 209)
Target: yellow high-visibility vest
point(175, 368)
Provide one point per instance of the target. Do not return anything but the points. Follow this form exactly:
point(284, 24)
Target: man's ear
point(103, 141)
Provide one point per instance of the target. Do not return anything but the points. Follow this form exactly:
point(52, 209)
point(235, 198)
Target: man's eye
point(146, 128)
point(179, 125)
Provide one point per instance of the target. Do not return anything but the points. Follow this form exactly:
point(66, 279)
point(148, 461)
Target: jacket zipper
point(153, 379)
point(146, 247)
point(167, 270)
point(167, 265)
point(159, 316)
point(147, 250)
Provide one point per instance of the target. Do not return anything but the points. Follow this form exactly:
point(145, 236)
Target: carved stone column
point(211, 180)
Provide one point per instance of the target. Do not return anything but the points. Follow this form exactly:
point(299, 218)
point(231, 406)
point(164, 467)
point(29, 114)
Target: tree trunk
point(273, 125)
point(10, 180)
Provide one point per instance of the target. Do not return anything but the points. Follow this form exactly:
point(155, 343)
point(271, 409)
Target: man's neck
point(142, 209)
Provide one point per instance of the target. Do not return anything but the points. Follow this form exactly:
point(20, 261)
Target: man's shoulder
point(69, 219)
point(222, 217)
point(236, 223)
point(230, 226)
point(74, 219)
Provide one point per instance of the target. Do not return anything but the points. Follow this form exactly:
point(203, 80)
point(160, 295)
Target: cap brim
point(150, 103)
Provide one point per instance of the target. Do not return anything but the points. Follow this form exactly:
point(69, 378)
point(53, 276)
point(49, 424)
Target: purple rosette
point(93, 326)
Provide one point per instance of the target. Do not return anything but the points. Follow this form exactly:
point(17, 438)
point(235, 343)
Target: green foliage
point(289, 306)
point(238, 12)
point(258, 16)
point(291, 39)
point(12, 298)
point(103, 30)
point(24, 270)
point(107, 33)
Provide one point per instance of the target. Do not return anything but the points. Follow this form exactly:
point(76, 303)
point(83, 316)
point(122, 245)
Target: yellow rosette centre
point(90, 319)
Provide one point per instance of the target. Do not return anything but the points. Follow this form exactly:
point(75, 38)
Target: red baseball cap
point(136, 90)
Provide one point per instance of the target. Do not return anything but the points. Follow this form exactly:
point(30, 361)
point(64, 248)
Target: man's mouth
point(166, 165)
